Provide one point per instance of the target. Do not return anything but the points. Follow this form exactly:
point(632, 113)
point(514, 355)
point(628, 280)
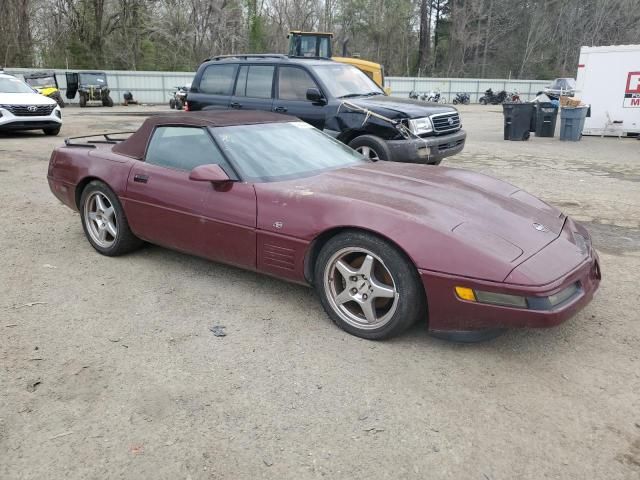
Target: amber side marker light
point(492, 298)
point(465, 293)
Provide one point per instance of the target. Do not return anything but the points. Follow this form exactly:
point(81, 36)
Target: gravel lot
point(108, 368)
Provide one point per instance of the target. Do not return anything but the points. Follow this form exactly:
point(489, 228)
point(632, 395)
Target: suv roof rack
point(246, 56)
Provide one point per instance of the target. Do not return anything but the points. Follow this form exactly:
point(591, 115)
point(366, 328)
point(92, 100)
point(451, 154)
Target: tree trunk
point(486, 40)
point(424, 40)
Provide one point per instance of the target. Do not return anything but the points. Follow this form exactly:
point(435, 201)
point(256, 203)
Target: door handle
point(280, 109)
point(140, 178)
point(235, 105)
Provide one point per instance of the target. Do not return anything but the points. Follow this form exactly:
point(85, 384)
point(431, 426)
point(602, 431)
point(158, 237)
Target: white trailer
point(609, 80)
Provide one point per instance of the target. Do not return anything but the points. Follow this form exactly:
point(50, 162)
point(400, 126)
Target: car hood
point(396, 107)
point(481, 213)
point(25, 99)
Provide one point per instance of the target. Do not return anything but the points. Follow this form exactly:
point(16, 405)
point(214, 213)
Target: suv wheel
point(371, 147)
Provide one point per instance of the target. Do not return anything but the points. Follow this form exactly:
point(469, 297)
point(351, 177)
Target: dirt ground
point(108, 368)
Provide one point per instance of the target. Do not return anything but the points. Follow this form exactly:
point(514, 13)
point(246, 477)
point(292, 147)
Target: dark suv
point(334, 97)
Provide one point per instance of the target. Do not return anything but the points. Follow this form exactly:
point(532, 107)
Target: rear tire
point(172, 104)
point(483, 101)
point(104, 222)
point(367, 286)
point(371, 147)
point(179, 105)
point(83, 100)
point(51, 131)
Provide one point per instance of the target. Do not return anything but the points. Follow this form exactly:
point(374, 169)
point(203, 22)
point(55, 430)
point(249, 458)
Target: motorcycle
point(462, 98)
point(178, 96)
point(513, 97)
point(493, 98)
point(432, 96)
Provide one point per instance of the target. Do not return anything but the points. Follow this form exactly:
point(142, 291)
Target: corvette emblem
point(32, 108)
point(540, 227)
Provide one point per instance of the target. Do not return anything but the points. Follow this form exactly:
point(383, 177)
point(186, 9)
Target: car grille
point(30, 110)
point(448, 146)
point(445, 122)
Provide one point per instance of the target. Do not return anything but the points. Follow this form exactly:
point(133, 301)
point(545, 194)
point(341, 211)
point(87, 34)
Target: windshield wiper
point(352, 95)
point(371, 94)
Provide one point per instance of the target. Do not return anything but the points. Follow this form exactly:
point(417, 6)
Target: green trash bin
point(572, 123)
point(546, 116)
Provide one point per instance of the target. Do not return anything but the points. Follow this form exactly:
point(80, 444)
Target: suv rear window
point(255, 81)
point(218, 79)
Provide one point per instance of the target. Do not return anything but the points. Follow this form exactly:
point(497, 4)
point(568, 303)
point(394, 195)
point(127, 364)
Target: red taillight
point(186, 106)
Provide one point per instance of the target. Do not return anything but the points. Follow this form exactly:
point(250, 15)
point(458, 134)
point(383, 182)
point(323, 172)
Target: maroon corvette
point(384, 244)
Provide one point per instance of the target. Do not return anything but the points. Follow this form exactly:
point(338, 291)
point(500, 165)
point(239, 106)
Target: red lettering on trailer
point(635, 102)
point(633, 82)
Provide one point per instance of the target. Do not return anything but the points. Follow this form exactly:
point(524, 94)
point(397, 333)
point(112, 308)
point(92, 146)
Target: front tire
point(104, 221)
point(83, 100)
point(179, 104)
point(483, 101)
point(371, 147)
point(367, 286)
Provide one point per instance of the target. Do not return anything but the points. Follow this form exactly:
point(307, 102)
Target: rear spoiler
point(107, 138)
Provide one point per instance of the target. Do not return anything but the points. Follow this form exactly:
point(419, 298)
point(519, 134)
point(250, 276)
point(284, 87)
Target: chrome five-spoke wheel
point(360, 288)
point(368, 152)
point(104, 221)
point(100, 219)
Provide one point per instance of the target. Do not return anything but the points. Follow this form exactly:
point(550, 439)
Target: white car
point(22, 108)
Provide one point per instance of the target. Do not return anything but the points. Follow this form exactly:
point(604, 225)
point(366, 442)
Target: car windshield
point(13, 85)
point(93, 79)
point(281, 151)
point(41, 81)
point(344, 81)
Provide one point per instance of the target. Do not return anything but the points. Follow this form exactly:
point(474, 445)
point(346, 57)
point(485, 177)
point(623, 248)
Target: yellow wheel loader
point(318, 45)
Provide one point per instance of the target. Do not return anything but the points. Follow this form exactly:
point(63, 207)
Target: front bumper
point(427, 149)
point(9, 121)
point(447, 312)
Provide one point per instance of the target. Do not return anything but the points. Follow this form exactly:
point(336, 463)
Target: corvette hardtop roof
point(136, 144)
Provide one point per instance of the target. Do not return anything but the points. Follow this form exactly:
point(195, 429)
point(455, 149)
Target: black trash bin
point(546, 116)
point(517, 120)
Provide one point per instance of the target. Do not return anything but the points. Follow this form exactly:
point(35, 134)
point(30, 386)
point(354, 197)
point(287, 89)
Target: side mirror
point(209, 173)
point(314, 95)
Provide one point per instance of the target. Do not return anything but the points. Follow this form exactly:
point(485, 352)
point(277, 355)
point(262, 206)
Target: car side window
point(218, 79)
point(255, 81)
point(293, 83)
point(183, 148)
